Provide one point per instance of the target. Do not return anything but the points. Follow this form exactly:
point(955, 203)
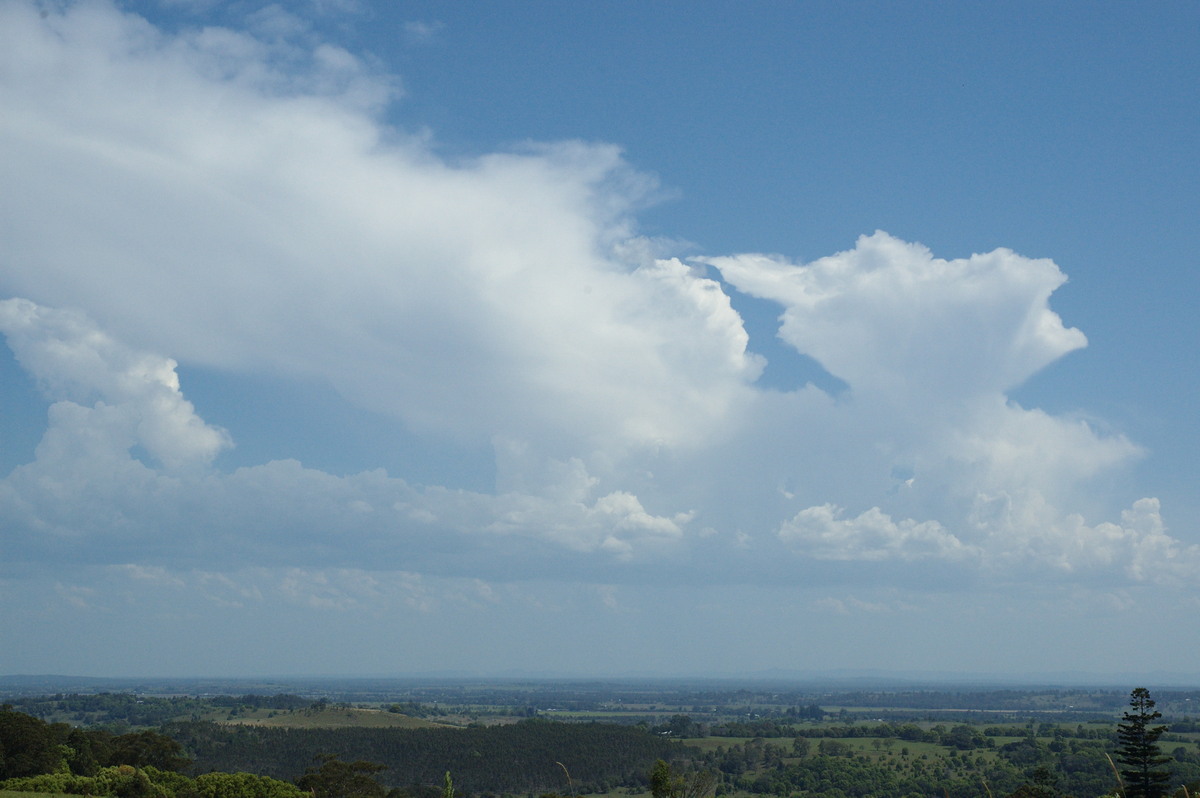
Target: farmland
point(517, 738)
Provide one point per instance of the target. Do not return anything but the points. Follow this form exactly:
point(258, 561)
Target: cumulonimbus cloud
point(889, 318)
point(236, 202)
point(240, 215)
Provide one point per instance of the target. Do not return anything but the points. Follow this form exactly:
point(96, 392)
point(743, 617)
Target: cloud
point(891, 320)
point(87, 496)
point(234, 201)
point(1015, 539)
point(928, 349)
point(854, 605)
point(417, 32)
point(820, 532)
point(1034, 538)
point(239, 206)
point(137, 397)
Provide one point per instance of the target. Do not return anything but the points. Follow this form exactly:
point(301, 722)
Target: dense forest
point(512, 758)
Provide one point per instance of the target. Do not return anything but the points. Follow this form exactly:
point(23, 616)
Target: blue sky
point(594, 339)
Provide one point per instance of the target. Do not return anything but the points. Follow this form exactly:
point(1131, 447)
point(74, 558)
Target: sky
point(599, 339)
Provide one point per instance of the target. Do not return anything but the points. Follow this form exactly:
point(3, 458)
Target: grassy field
point(713, 743)
point(325, 718)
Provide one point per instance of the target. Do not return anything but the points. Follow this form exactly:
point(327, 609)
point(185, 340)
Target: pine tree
point(1139, 752)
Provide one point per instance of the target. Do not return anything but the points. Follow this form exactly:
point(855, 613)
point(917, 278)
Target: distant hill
point(329, 717)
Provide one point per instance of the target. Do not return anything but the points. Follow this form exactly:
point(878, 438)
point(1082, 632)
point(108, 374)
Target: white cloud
point(890, 319)
point(417, 32)
point(234, 201)
point(1007, 539)
point(822, 533)
point(86, 486)
point(136, 396)
point(1137, 549)
point(928, 348)
point(243, 215)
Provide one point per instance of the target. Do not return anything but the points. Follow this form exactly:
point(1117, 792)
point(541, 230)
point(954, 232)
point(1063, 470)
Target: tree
point(27, 745)
point(1042, 786)
point(148, 748)
point(243, 785)
point(665, 783)
point(1138, 752)
point(800, 746)
point(338, 779)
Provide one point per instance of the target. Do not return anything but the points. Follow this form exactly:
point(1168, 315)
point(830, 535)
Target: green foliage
point(28, 746)
point(414, 710)
point(284, 701)
point(514, 758)
point(125, 781)
point(869, 753)
point(1143, 771)
point(120, 781)
point(115, 710)
point(1042, 785)
point(666, 783)
point(964, 738)
point(680, 726)
point(661, 785)
point(147, 748)
point(338, 779)
point(244, 785)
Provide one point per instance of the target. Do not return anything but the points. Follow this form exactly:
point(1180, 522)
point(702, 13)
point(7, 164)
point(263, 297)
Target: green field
point(329, 717)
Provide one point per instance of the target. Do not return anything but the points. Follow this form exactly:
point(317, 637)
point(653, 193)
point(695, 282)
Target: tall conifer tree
point(1139, 753)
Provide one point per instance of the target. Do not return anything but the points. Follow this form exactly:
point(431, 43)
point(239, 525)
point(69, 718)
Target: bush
point(122, 781)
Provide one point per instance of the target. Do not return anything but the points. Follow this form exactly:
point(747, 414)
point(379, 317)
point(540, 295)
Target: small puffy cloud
point(1015, 539)
point(822, 533)
point(1032, 536)
point(416, 31)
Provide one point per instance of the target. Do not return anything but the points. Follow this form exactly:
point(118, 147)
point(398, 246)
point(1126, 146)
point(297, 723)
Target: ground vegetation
point(574, 740)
